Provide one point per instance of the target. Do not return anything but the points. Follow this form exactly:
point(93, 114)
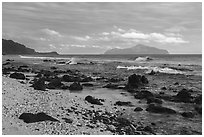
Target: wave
point(155, 69)
point(33, 57)
point(141, 59)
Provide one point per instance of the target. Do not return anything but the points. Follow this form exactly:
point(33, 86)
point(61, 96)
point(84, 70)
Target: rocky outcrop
point(18, 76)
point(93, 100)
point(32, 118)
point(134, 81)
point(76, 86)
point(159, 109)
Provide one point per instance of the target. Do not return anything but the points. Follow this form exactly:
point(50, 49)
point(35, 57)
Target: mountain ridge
point(138, 49)
point(10, 47)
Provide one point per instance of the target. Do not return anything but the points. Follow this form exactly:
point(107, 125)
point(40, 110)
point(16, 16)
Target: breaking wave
point(33, 57)
point(141, 59)
point(155, 69)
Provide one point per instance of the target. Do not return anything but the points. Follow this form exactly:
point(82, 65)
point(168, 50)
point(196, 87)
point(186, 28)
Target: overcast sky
point(71, 28)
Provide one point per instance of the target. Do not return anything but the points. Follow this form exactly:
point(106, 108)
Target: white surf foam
point(149, 69)
point(141, 59)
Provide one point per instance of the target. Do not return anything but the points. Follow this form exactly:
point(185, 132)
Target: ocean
point(188, 64)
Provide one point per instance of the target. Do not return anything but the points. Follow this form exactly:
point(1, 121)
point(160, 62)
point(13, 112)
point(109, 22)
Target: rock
point(184, 96)
point(198, 99)
point(115, 79)
point(144, 80)
point(159, 109)
point(39, 84)
point(68, 120)
point(144, 94)
point(138, 109)
point(152, 72)
point(198, 108)
point(17, 76)
point(75, 86)
point(163, 88)
point(69, 78)
point(111, 86)
point(87, 79)
point(134, 81)
point(87, 85)
point(154, 100)
point(176, 83)
point(93, 100)
point(148, 129)
point(31, 118)
point(121, 103)
point(55, 84)
point(187, 114)
point(53, 67)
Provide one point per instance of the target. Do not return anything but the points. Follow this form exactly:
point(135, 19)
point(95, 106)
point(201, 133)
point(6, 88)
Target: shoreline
point(75, 115)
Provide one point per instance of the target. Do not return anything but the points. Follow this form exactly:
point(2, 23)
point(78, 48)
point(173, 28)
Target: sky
point(93, 28)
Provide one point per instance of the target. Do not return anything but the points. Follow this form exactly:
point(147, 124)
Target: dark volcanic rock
point(138, 109)
point(87, 79)
point(31, 118)
point(163, 88)
point(134, 81)
point(144, 94)
point(93, 100)
point(75, 86)
point(17, 76)
point(154, 100)
point(111, 86)
point(122, 103)
point(68, 120)
point(187, 114)
point(198, 99)
point(39, 84)
point(55, 84)
point(184, 95)
point(159, 109)
point(198, 108)
point(69, 78)
point(87, 84)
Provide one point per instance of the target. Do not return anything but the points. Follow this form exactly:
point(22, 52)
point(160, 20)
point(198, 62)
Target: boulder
point(159, 109)
point(154, 100)
point(184, 96)
point(144, 94)
point(39, 84)
point(198, 99)
point(134, 81)
point(68, 120)
point(163, 88)
point(138, 109)
point(17, 76)
point(111, 86)
point(32, 118)
point(87, 79)
point(75, 86)
point(93, 100)
point(69, 78)
point(87, 84)
point(198, 108)
point(55, 84)
point(122, 103)
point(187, 114)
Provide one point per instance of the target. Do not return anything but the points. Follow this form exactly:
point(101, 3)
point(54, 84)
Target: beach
point(93, 96)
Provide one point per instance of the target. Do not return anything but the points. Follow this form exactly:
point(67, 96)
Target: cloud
point(176, 29)
point(51, 32)
point(138, 36)
point(86, 38)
